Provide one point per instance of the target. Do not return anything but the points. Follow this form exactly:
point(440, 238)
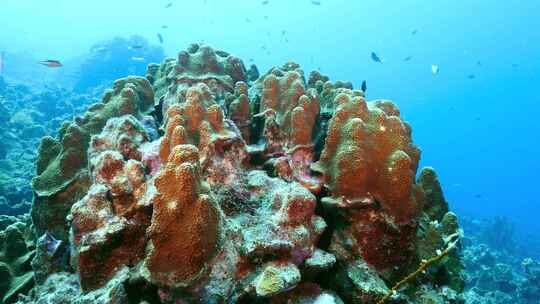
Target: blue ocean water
point(476, 120)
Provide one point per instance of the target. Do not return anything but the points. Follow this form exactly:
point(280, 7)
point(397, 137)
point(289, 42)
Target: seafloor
point(205, 182)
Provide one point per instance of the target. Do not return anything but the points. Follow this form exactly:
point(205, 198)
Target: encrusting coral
point(239, 190)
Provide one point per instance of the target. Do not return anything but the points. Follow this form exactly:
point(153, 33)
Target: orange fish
point(51, 63)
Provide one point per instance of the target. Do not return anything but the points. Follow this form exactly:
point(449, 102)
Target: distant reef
point(26, 115)
point(205, 182)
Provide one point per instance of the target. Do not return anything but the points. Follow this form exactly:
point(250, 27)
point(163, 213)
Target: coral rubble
point(202, 184)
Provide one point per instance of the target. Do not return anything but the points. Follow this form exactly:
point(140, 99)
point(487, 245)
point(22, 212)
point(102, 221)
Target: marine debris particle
point(205, 180)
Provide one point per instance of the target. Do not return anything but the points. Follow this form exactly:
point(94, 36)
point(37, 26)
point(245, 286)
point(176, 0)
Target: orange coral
point(290, 112)
point(369, 156)
point(185, 229)
point(239, 111)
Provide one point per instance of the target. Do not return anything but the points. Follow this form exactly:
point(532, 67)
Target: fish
point(478, 196)
point(248, 20)
point(164, 26)
point(471, 76)
point(135, 47)
point(408, 58)
point(51, 63)
point(2, 54)
point(515, 65)
point(363, 87)
point(414, 32)
point(138, 58)
point(168, 5)
point(315, 2)
point(101, 49)
point(376, 58)
point(434, 69)
point(265, 2)
point(478, 63)
point(160, 38)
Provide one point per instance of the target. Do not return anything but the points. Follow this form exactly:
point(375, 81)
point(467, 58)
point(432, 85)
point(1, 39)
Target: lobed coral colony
point(206, 183)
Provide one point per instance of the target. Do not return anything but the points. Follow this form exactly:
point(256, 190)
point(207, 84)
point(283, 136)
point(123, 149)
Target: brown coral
point(111, 210)
point(369, 156)
point(200, 121)
point(62, 175)
point(290, 112)
point(185, 229)
point(198, 64)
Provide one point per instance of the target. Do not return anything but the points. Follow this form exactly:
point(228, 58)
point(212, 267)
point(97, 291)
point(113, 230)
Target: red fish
point(51, 63)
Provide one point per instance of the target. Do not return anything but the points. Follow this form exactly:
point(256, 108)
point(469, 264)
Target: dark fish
point(51, 63)
point(283, 32)
point(363, 87)
point(375, 58)
point(515, 65)
point(164, 26)
point(265, 2)
point(471, 76)
point(478, 63)
point(315, 2)
point(248, 20)
point(414, 32)
point(478, 196)
point(168, 5)
point(160, 38)
point(408, 58)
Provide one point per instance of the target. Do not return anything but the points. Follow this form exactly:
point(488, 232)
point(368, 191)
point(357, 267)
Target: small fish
point(408, 58)
point(471, 76)
point(478, 63)
point(138, 58)
point(248, 20)
point(315, 2)
point(101, 49)
point(168, 5)
point(136, 47)
point(265, 2)
point(414, 32)
point(363, 87)
point(478, 196)
point(160, 38)
point(376, 58)
point(51, 63)
point(164, 26)
point(434, 69)
point(2, 54)
point(283, 32)
point(515, 65)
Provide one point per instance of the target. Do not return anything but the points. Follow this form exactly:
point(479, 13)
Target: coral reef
point(27, 114)
point(201, 184)
point(17, 249)
point(62, 175)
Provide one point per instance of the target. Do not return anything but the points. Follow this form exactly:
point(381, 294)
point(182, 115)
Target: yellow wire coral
point(451, 240)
